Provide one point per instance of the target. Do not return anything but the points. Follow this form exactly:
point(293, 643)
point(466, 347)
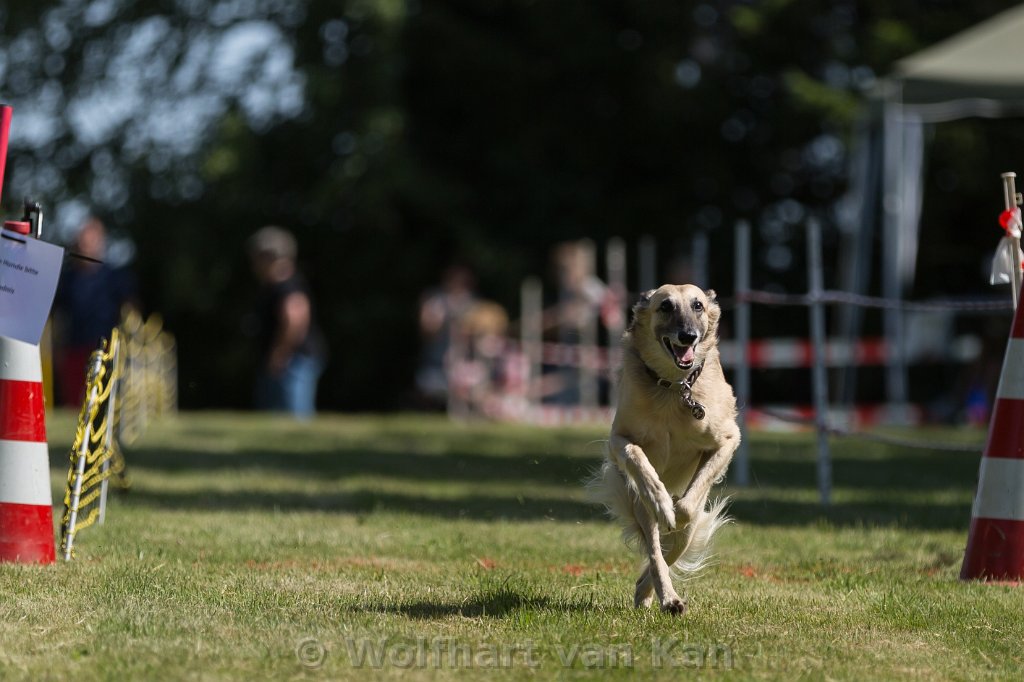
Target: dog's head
point(674, 326)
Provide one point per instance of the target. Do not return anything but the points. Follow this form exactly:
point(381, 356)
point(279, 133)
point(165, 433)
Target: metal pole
point(741, 466)
point(172, 375)
point(460, 392)
point(1010, 201)
point(857, 275)
point(892, 261)
point(588, 333)
point(615, 253)
point(815, 274)
point(531, 331)
point(95, 367)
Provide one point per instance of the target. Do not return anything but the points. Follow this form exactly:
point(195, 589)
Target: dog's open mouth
point(681, 355)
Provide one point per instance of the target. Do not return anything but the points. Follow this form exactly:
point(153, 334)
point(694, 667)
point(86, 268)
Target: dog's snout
point(686, 338)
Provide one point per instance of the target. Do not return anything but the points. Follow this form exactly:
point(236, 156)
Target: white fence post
point(531, 334)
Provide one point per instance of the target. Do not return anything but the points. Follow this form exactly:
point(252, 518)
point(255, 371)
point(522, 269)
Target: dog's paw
point(674, 606)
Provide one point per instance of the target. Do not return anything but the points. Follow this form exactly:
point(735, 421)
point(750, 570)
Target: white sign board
point(29, 270)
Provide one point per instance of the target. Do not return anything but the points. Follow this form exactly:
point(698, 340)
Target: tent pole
point(892, 277)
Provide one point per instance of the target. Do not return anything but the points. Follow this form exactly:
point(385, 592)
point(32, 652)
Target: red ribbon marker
point(1008, 217)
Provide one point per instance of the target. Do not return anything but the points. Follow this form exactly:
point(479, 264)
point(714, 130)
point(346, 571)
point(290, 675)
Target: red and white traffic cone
point(995, 544)
point(26, 503)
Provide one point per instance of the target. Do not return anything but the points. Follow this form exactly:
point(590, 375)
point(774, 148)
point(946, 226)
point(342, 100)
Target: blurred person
point(441, 310)
point(292, 347)
point(478, 362)
point(580, 292)
point(584, 300)
point(90, 298)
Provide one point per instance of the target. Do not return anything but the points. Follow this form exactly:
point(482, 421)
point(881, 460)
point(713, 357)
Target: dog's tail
point(702, 529)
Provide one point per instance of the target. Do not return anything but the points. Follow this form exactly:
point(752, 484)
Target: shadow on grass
point(453, 466)
point(893, 486)
point(857, 465)
point(494, 600)
point(762, 511)
point(480, 507)
point(776, 465)
point(495, 606)
point(886, 512)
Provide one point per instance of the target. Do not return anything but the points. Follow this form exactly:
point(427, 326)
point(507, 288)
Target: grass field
point(256, 548)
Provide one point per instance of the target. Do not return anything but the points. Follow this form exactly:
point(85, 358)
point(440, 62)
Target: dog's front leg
point(711, 470)
point(633, 462)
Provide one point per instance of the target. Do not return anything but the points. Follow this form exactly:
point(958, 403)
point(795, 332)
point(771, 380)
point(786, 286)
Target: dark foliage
point(394, 137)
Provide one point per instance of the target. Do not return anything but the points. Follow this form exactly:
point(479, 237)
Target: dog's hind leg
point(643, 597)
point(687, 549)
point(673, 546)
point(657, 570)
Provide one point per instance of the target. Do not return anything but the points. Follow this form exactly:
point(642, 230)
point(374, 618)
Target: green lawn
point(256, 548)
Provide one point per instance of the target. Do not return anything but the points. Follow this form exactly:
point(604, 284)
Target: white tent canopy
point(976, 73)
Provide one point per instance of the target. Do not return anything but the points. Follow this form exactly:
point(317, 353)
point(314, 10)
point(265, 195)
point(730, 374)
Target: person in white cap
point(291, 345)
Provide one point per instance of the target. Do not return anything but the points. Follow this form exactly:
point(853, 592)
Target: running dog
point(672, 438)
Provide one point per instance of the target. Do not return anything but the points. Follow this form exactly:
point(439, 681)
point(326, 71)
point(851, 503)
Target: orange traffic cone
point(995, 544)
point(26, 503)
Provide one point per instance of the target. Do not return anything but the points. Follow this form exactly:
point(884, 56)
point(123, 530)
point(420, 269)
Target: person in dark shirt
point(88, 305)
point(441, 311)
point(291, 346)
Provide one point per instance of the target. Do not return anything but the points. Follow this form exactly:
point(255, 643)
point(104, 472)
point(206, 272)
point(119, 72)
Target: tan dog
point(673, 436)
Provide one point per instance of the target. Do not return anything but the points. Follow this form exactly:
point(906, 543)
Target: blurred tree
point(396, 135)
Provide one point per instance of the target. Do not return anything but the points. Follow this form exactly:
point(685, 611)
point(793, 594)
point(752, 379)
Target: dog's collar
point(685, 387)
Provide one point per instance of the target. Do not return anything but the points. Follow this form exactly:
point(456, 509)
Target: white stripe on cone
point(1011, 381)
point(26, 473)
point(1000, 482)
point(20, 361)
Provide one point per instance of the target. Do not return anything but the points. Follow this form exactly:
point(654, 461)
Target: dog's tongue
point(684, 355)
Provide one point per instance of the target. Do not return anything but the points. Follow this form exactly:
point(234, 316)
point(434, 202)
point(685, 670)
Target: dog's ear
point(643, 304)
point(714, 310)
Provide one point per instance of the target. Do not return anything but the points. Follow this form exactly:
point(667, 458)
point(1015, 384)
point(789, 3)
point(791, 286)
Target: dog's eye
point(666, 306)
point(698, 306)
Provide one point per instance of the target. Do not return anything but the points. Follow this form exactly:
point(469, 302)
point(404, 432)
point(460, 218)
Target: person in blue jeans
point(291, 345)
point(91, 296)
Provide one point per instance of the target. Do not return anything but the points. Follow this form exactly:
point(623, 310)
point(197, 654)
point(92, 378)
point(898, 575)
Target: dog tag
point(697, 411)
